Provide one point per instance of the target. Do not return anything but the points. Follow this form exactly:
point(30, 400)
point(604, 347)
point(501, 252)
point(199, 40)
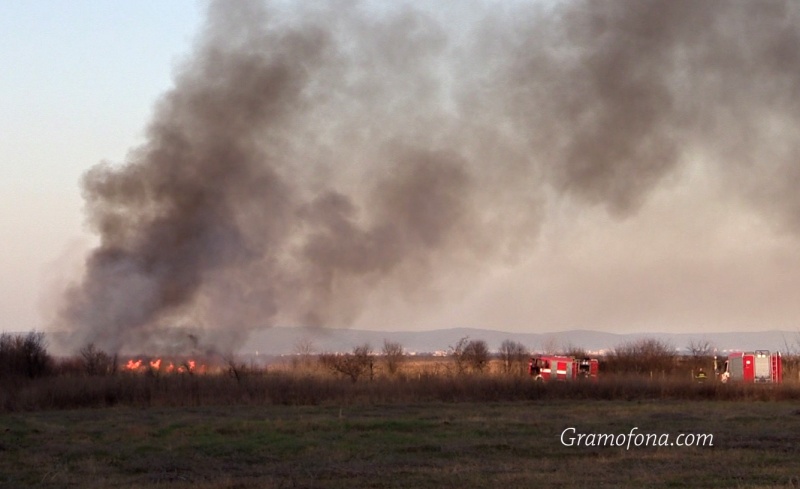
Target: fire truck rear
point(758, 366)
point(554, 367)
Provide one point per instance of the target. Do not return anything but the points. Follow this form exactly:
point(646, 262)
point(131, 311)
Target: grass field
point(426, 445)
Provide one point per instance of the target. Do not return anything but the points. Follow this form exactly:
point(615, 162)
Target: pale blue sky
point(77, 86)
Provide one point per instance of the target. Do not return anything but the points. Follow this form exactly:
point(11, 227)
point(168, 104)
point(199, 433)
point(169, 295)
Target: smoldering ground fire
point(310, 155)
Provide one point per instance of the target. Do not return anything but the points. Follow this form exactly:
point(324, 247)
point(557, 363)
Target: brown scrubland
point(33, 380)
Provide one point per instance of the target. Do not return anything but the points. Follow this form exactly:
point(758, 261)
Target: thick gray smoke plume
point(307, 156)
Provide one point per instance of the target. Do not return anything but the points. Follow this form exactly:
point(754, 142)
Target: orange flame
point(131, 365)
point(189, 366)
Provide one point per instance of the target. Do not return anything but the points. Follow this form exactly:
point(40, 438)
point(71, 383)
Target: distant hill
point(285, 341)
point(277, 341)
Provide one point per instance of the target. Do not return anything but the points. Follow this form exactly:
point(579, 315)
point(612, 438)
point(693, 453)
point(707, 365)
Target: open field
point(351, 420)
point(428, 445)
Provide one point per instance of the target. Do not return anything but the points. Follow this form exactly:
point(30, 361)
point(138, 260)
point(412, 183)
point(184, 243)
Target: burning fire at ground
point(158, 365)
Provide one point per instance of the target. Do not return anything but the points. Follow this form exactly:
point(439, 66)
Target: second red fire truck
point(758, 366)
point(554, 367)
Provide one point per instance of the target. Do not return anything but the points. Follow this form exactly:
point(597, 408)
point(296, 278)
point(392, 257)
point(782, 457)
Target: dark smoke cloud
point(309, 156)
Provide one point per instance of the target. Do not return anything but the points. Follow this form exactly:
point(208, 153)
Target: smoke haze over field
point(310, 161)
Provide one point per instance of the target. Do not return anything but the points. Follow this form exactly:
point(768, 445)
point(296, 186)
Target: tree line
point(26, 356)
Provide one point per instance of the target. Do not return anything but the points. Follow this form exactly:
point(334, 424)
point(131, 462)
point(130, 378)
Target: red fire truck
point(758, 366)
point(553, 367)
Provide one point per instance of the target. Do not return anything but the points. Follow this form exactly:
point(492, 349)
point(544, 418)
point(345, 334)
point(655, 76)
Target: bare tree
point(457, 354)
point(700, 348)
point(701, 353)
point(392, 355)
point(96, 361)
point(647, 355)
point(513, 355)
point(476, 355)
point(24, 355)
point(353, 365)
point(237, 370)
point(571, 350)
point(304, 346)
point(550, 345)
point(304, 350)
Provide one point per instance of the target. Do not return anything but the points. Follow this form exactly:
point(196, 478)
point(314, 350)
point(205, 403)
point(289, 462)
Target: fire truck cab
point(553, 367)
point(758, 366)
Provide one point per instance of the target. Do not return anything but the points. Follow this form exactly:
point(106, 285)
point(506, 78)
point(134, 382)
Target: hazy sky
point(78, 84)
point(697, 251)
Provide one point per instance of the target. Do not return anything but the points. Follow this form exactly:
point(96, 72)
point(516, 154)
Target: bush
point(24, 356)
point(393, 355)
point(352, 365)
point(647, 356)
point(470, 355)
point(96, 361)
point(513, 356)
point(476, 355)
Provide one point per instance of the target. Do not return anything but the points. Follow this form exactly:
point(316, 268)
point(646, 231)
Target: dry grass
point(297, 388)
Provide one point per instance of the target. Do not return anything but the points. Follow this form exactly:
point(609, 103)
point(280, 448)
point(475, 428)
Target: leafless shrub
point(469, 355)
point(304, 346)
point(700, 348)
point(303, 351)
point(24, 356)
point(392, 355)
point(72, 365)
point(236, 369)
point(513, 355)
point(457, 354)
point(701, 354)
point(571, 350)
point(352, 365)
point(647, 356)
point(96, 361)
point(550, 345)
point(477, 353)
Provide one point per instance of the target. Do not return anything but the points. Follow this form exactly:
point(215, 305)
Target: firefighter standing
point(533, 368)
point(701, 376)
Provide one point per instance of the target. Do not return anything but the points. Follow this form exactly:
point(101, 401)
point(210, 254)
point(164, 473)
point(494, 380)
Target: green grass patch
point(426, 445)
